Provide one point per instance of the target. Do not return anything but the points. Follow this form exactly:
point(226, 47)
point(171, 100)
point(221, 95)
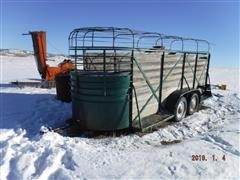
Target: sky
point(216, 21)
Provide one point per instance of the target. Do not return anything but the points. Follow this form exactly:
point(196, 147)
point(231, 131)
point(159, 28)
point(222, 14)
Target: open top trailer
point(125, 78)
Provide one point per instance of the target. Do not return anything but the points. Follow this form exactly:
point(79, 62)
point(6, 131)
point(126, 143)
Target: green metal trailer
point(127, 79)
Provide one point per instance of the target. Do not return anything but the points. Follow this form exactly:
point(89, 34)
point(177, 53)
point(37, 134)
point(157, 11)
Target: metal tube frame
point(132, 40)
point(161, 81)
point(183, 68)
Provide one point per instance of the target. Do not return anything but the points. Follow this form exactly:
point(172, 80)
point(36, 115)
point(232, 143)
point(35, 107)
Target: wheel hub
point(193, 104)
point(181, 109)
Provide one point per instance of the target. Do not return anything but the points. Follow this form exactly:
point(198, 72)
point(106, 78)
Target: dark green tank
point(100, 101)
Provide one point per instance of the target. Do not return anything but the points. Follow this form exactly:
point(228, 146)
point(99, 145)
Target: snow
point(229, 76)
point(25, 154)
point(25, 67)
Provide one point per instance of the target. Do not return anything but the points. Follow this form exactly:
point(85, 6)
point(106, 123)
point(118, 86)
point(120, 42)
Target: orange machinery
point(40, 53)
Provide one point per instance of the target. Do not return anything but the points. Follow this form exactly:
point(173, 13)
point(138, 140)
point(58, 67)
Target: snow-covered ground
point(212, 132)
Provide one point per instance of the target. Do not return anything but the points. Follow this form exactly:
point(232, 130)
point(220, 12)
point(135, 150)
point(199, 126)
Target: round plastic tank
point(63, 87)
point(100, 101)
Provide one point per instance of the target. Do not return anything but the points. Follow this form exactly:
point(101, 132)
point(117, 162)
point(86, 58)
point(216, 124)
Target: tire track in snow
point(224, 145)
point(68, 162)
point(8, 151)
point(48, 163)
point(19, 169)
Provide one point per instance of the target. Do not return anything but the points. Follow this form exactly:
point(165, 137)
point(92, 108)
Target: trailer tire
point(180, 109)
point(193, 104)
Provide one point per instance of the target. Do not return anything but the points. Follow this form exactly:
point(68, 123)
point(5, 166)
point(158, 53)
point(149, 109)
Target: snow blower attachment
point(50, 74)
point(40, 53)
point(126, 79)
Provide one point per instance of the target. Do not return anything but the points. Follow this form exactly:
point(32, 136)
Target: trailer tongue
point(37, 84)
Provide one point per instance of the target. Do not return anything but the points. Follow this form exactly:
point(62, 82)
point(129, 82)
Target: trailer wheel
point(180, 108)
point(193, 104)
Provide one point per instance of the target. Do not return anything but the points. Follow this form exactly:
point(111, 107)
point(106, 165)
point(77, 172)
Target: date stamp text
point(202, 157)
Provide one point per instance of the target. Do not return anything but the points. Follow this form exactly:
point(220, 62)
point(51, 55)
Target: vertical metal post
point(161, 81)
point(207, 72)
point(130, 92)
point(195, 70)
point(92, 37)
point(114, 58)
point(183, 69)
point(104, 60)
point(104, 70)
point(84, 63)
point(75, 51)
point(115, 66)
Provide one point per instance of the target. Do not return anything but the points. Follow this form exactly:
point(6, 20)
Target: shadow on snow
point(31, 111)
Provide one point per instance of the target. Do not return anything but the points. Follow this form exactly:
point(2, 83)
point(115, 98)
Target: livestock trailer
point(125, 78)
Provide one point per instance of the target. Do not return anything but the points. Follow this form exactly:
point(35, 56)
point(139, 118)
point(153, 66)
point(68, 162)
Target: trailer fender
point(173, 98)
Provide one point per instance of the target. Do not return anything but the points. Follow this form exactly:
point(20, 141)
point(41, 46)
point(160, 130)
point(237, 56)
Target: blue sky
point(216, 21)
